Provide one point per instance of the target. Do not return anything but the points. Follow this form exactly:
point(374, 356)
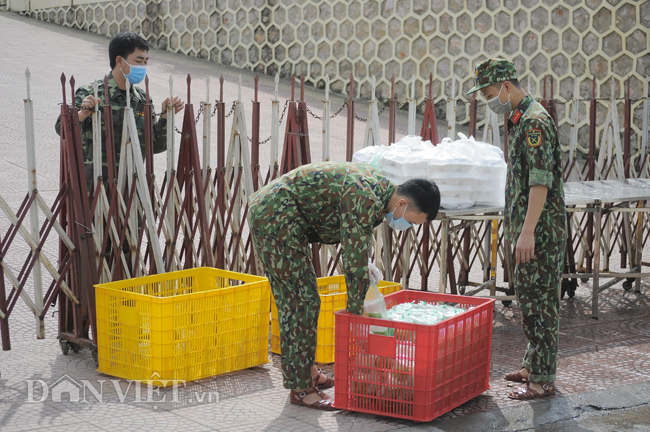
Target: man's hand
point(176, 102)
point(525, 251)
point(374, 274)
point(88, 106)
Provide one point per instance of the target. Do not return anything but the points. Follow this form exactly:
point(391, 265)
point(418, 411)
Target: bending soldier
point(327, 203)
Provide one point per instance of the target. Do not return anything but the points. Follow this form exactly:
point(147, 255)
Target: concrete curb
point(559, 413)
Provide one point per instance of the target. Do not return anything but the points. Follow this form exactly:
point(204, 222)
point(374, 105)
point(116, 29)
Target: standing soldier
point(534, 220)
point(328, 203)
point(128, 55)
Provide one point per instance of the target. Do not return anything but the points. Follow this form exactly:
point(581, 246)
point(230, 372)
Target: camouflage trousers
point(537, 288)
point(294, 287)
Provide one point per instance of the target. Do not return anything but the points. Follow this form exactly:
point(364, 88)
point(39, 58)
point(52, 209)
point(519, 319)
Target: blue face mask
point(137, 73)
point(400, 224)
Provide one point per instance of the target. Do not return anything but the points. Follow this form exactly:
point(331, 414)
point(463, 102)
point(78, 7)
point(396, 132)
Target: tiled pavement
point(595, 355)
point(611, 353)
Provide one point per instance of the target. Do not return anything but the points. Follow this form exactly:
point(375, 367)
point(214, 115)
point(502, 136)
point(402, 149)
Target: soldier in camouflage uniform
point(127, 51)
point(534, 220)
point(328, 203)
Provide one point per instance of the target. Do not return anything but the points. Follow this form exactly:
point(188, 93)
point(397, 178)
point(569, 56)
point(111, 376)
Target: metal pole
point(207, 149)
point(627, 129)
point(255, 138)
point(171, 161)
point(411, 99)
point(596, 282)
point(275, 132)
point(372, 134)
point(303, 124)
point(425, 257)
point(4, 319)
point(63, 219)
point(97, 142)
point(451, 110)
point(326, 121)
point(207, 131)
point(472, 115)
point(574, 133)
point(220, 180)
point(627, 220)
point(493, 248)
point(591, 173)
point(638, 262)
point(349, 148)
point(141, 185)
point(392, 112)
point(33, 211)
point(644, 129)
point(444, 244)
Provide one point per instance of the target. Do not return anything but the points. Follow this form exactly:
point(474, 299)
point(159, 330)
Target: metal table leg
point(444, 244)
point(638, 261)
point(596, 261)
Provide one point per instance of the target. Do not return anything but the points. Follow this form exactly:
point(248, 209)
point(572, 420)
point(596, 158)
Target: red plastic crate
point(422, 371)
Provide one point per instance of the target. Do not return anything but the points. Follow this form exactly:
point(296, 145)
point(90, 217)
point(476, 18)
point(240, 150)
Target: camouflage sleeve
point(356, 235)
point(79, 96)
point(540, 137)
point(159, 133)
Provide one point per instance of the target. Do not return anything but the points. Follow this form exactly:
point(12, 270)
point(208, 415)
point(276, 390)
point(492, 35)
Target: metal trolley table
point(475, 230)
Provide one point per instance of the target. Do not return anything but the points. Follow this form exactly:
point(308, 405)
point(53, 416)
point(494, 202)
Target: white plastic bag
point(374, 274)
point(374, 306)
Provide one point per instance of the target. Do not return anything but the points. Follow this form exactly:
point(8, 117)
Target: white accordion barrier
point(468, 172)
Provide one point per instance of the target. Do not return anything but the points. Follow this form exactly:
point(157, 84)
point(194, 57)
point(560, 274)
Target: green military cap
point(492, 71)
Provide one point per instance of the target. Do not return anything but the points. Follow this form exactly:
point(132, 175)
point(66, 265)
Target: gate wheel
point(65, 348)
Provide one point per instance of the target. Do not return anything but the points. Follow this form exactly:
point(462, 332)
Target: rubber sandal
point(515, 376)
point(326, 403)
point(527, 393)
point(328, 383)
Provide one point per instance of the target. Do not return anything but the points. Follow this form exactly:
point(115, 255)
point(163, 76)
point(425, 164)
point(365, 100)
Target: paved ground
point(604, 373)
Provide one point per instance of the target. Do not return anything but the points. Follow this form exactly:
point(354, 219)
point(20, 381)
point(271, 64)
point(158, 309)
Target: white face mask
point(497, 107)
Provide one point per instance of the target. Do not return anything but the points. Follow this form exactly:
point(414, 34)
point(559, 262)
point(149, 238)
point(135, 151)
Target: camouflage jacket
point(118, 103)
point(331, 202)
point(534, 158)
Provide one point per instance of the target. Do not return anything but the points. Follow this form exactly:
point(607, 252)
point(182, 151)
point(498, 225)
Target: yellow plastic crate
point(333, 298)
point(183, 325)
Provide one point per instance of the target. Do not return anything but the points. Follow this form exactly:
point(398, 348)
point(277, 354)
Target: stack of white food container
point(468, 172)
